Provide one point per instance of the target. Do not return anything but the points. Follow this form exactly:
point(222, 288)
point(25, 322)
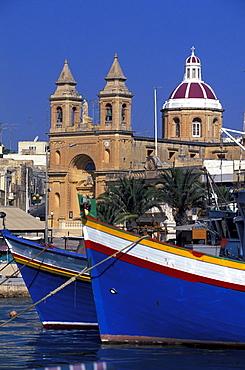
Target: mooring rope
point(7, 264)
point(73, 278)
point(19, 269)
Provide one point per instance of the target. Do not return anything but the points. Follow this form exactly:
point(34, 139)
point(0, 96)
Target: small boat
point(147, 291)
point(46, 269)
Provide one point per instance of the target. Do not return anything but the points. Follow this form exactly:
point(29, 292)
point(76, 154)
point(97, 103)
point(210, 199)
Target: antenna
point(1, 131)
point(10, 133)
point(30, 123)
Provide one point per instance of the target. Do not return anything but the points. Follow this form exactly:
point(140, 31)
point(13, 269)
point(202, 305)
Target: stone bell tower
point(65, 103)
point(115, 101)
point(69, 111)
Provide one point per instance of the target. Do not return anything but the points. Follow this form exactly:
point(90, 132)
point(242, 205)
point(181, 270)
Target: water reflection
point(25, 345)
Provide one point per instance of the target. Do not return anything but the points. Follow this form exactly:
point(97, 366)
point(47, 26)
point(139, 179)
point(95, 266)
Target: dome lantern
point(192, 92)
point(192, 67)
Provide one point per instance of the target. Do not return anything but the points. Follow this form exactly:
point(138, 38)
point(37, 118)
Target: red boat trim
point(134, 339)
point(170, 271)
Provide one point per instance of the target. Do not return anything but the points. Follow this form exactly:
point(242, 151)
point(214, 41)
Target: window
point(221, 156)
point(73, 116)
point(57, 157)
point(108, 112)
point(177, 127)
point(123, 112)
point(57, 200)
point(171, 155)
point(194, 73)
point(107, 156)
point(59, 114)
point(196, 127)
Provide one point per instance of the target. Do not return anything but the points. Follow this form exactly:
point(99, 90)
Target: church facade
point(84, 157)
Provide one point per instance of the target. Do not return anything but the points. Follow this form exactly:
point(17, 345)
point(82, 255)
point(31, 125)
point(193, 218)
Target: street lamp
point(46, 187)
point(36, 199)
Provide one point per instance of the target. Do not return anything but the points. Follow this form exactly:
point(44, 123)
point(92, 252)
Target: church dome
point(192, 92)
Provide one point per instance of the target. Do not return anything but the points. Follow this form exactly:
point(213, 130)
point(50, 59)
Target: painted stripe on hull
point(113, 236)
point(133, 301)
point(42, 266)
point(74, 303)
point(170, 271)
point(44, 270)
point(208, 267)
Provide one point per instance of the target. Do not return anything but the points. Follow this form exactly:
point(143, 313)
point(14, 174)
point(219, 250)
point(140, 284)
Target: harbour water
point(25, 345)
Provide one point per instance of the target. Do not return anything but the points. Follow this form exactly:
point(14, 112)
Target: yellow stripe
point(165, 247)
point(50, 269)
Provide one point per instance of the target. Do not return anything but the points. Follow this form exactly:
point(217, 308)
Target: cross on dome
point(192, 50)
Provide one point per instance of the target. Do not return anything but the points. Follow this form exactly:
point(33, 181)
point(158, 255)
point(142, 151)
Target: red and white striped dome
point(192, 92)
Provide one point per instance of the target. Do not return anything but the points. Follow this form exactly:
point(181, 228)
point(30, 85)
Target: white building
point(30, 150)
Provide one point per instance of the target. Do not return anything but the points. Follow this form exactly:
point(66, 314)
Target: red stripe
point(169, 271)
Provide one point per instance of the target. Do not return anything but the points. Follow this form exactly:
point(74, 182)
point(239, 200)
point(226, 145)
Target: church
point(84, 157)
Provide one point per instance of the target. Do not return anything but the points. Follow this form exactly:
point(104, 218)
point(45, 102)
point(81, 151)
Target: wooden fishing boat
point(147, 291)
point(45, 270)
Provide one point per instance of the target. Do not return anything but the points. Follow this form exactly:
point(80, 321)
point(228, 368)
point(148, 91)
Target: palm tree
point(182, 191)
point(224, 194)
point(109, 210)
point(128, 201)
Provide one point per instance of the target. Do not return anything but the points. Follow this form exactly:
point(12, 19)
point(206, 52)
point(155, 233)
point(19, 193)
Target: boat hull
point(153, 293)
point(71, 307)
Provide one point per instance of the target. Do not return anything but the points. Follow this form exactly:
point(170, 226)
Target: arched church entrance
point(81, 181)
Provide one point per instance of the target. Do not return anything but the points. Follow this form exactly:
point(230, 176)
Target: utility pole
point(155, 115)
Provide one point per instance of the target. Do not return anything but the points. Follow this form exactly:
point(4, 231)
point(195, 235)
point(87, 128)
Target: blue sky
point(152, 38)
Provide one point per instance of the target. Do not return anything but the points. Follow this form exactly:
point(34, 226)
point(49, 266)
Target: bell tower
point(65, 103)
point(115, 101)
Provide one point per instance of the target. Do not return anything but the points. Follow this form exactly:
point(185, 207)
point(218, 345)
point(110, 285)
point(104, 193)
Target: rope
point(14, 273)
point(6, 265)
point(73, 278)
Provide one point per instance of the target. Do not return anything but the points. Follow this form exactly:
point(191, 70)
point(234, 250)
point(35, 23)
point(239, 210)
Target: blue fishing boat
point(147, 291)
point(45, 270)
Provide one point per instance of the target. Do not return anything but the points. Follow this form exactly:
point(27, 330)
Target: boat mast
point(225, 130)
